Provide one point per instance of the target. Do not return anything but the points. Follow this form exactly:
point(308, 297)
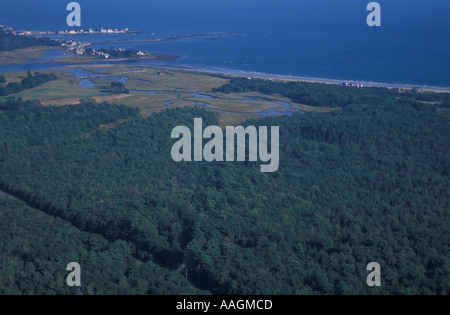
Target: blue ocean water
point(310, 38)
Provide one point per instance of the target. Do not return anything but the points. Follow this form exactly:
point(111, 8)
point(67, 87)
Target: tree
point(118, 88)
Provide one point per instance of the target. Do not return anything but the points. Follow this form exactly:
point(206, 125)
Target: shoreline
point(75, 60)
point(295, 78)
point(88, 60)
point(237, 73)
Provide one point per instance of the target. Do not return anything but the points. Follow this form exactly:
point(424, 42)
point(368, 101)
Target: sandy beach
point(290, 78)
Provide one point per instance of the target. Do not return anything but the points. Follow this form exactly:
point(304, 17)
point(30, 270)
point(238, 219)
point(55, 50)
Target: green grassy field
point(59, 92)
point(20, 56)
point(177, 85)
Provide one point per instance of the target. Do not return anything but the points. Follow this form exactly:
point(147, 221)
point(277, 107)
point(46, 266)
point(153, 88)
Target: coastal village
point(80, 49)
point(103, 30)
point(359, 85)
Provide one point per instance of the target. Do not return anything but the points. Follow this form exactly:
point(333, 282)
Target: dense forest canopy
point(13, 103)
point(366, 183)
point(330, 95)
point(33, 260)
